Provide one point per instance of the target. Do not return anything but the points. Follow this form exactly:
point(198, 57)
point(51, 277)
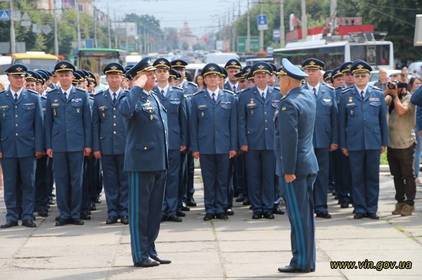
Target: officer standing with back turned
point(297, 164)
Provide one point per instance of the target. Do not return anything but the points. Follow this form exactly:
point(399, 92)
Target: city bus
point(95, 59)
point(36, 60)
point(376, 53)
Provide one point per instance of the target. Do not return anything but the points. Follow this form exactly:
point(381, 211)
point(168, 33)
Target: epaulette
point(81, 89)
point(49, 89)
point(176, 88)
point(229, 91)
point(328, 86)
point(375, 87)
point(32, 91)
point(2, 91)
point(198, 92)
point(192, 84)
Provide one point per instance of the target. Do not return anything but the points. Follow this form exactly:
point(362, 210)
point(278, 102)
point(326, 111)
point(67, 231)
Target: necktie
point(114, 97)
point(16, 97)
point(213, 96)
point(263, 95)
point(314, 89)
point(362, 93)
point(162, 93)
point(234, 89)
point(65, 95)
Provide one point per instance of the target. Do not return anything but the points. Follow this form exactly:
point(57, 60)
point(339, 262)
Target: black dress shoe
point(208, 217)
point(278, 211)
point(344, 205)
point(43, 213)
point(9, 225)
point(239, 199)
point(268, 215)
point(291, 269)
point(256, 216)
point(77, 222)
point(61, 222)
point(111, 220)
point(221, 216)
point(185, 208)
point(373, 216)
point(147, 263)
point(323, 215)
point(191, 203)
point(29, 223)
point(358, 216)
point(179, 213)
point(173, 218)
point(85, 216)
point(124, 220)
point(161, 261)
point(246, 202)
point(229, 212)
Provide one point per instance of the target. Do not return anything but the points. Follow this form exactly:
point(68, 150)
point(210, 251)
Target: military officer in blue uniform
point(213, 132)
point(232, 67)
point(257, 106)
point(68, 140)
point(146, 162)
point(21, 142)
point(297, 164)
point(325, 132)
point(173, 99)
point(363, 136)
point(109, 138)
point(187, 167)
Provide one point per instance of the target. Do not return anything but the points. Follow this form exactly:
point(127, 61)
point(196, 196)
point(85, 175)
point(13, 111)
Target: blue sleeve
point(39, 127)
point(128, 105)
point(288, 117)
point(193, 124)
point(233, 126)
point(342, 122)
point(183, 119)
point(417, 97)
point(241, 118)
point(48, 123)
point(95, 128)
point(418, 118)
point(87, 123)
point(334, 120)
point(383, 122)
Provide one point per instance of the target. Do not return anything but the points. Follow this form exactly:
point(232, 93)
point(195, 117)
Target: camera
point(398, 85)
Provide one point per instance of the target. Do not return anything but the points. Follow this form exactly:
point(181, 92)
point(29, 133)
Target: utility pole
point(233, 30)
point(333, 12)
point(12, 30)
point(282, 36)
point(95, 23)
point(56, 39)
point(304, 20)
point(261, 32)
point(78, 24)
point(248, 32)
point(109, 25)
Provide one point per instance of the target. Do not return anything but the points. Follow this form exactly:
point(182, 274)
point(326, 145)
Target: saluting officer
point(174, 101)
point(21, 135)
point(363, 136)
point(68, 140)
point(213, 132)
point(257, 106)
point(146, 161)
point(109, 138)
point(297, 164)
point(187, 167)
point(325, 132)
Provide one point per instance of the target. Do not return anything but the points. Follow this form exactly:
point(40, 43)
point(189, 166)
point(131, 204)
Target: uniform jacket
point(108, 125)
point(147, 140)
point(21, 124)
point(68, 122)
point(213, 125)
point(363, 124)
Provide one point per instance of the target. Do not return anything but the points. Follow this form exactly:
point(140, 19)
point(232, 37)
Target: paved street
point(236, 249)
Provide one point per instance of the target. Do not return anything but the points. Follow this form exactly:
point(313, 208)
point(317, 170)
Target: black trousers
point(401, 167)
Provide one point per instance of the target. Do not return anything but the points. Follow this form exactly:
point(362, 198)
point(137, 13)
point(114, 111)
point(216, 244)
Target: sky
point(202, 15)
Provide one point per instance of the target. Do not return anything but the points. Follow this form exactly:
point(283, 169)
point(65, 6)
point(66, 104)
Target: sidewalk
point(240, 248)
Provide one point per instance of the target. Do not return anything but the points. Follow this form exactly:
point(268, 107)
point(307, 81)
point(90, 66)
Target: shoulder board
point(32, 91)
point(277, 88)
point(375, 87)
point(198, 92)
point(80, 89)
point(192, 84)
point(2, 91)
point(50, 90)
point(176, 88)
point(228, 91)
point(328, 86)
point(346, 90)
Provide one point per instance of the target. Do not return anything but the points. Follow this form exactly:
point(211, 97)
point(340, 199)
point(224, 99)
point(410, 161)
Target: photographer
point(401, 147)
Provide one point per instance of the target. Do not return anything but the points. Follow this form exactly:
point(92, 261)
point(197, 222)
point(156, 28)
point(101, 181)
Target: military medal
point(202, 114)
point(350, 99)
